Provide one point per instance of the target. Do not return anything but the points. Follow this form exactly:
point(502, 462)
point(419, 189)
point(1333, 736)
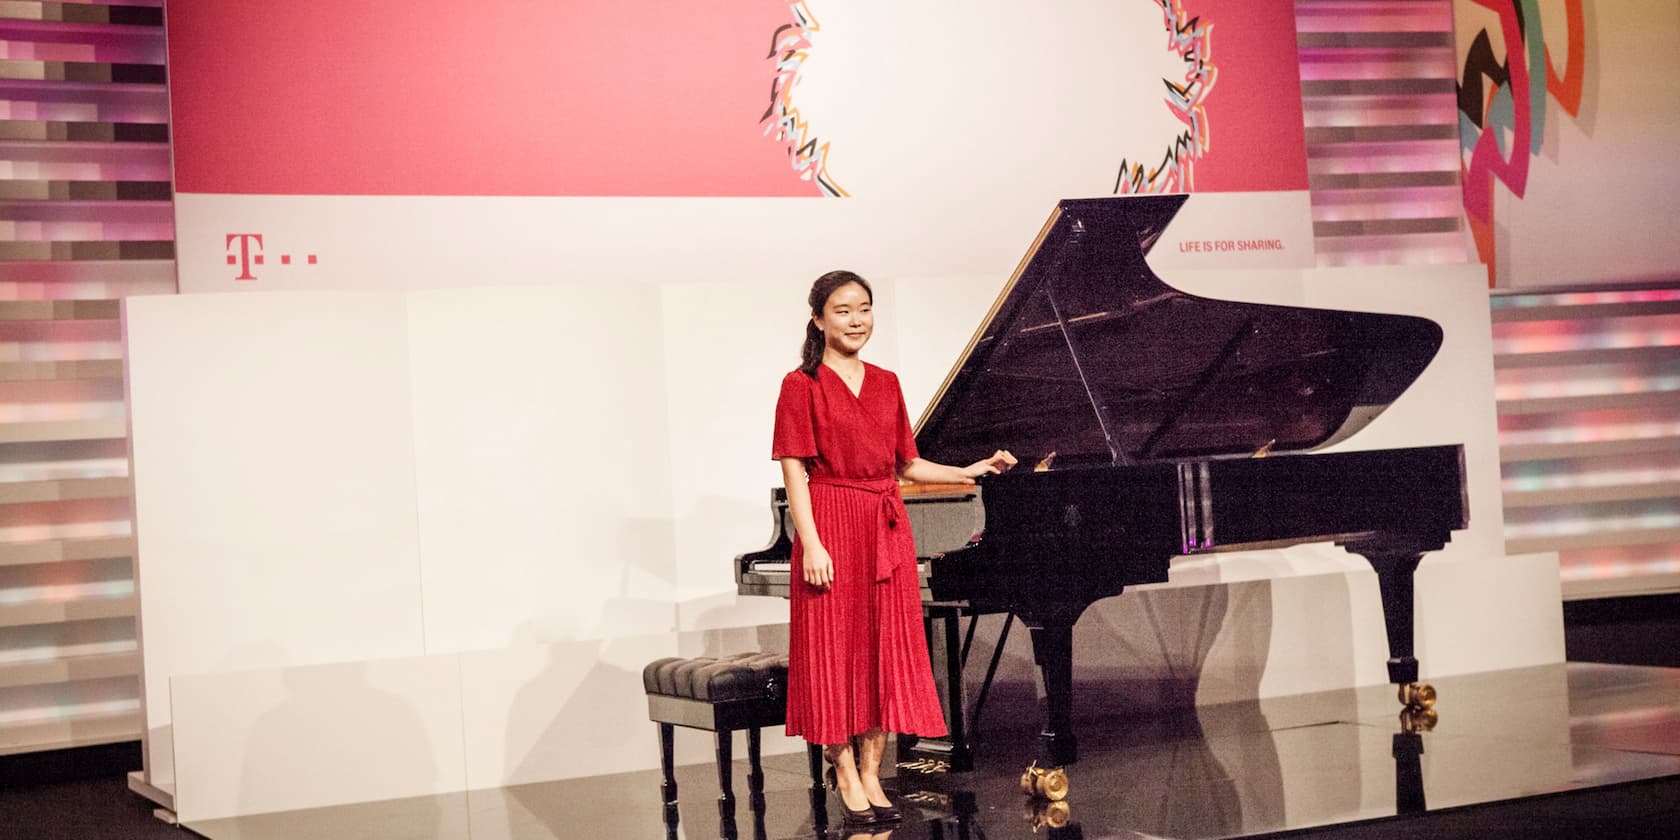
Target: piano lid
point(1088, 355)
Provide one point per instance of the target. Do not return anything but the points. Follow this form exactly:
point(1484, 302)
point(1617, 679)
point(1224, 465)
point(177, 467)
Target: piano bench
point(720, 695)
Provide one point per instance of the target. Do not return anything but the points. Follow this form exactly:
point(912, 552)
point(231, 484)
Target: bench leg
point(818, 791)
point(667, 761)
point(755, 772)
point(725, 759)
point(814, 756)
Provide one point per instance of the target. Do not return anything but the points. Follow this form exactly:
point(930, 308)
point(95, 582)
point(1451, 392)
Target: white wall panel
point(559, 710)
point(727, 346)
point(311, 736)
point(937, 315)
point(590, 457)
point(533, 713)
point(543, 464)
point(274, 492)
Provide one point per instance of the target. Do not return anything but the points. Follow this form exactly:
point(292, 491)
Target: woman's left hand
point(999, 462)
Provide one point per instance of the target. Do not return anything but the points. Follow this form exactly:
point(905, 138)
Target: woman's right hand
point(819, 569)
point(1000, 461)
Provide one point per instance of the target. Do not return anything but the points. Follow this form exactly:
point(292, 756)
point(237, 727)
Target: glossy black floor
point(1584, 750)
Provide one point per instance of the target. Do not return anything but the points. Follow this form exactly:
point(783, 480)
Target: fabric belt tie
point(894, 520)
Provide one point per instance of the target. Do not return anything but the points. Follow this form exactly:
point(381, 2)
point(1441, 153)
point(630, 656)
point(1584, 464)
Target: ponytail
point(811, 353)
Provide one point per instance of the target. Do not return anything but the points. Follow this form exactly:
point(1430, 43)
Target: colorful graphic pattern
point(1189, 36)
point(788, 48)
point(1499, 99)
point(1192, 39)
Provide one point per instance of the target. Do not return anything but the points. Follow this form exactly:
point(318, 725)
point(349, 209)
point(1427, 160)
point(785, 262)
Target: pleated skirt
point(857, 656)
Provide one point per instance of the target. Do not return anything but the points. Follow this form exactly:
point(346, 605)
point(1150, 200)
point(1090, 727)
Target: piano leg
point(1053, 649)
point(1394, 563)
point(1408, 773)
point(1394, 580)
point(962, 754)
point(954, 752)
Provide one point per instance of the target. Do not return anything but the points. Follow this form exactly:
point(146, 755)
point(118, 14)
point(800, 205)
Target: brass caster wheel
point(1417, 695)
point(1414, 719)
point(1041, 814)
point(1040, 783)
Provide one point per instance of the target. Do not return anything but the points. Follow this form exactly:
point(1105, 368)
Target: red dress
point(857, 659)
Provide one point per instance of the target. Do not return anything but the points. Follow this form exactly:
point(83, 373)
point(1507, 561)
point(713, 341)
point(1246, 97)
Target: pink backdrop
point(662, 98)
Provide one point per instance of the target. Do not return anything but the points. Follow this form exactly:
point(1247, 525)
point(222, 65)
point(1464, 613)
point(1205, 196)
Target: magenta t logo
point(250, 253)
point(246, 256)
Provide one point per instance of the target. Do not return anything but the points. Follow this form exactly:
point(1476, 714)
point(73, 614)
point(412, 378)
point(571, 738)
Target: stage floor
point(1234, 770)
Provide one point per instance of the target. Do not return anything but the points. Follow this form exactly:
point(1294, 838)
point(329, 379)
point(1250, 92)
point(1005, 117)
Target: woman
point(857, 661)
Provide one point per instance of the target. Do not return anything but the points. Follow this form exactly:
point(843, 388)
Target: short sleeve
point(905, 449)
point(795, 435)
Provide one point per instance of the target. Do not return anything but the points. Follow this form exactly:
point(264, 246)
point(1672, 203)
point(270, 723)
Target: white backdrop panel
point(274, 497)
point(559, 710)
point(591, 455)
point(562, 710)
point(313, 736)
point(544, 496)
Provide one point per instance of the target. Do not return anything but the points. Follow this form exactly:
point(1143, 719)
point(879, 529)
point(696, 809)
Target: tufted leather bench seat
point(721, 695)
point(741, 676)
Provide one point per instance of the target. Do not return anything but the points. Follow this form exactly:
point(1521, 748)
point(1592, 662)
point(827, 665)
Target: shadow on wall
point(543, 738)
point(318, 741)
point(1177, 647)
point(640, 602)
point(721, 528)
point(646, 578)
point(1143, 651)
point(550, 738)
point(709, 539)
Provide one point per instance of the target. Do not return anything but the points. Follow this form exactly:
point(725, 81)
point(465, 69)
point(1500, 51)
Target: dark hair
point(811, 354)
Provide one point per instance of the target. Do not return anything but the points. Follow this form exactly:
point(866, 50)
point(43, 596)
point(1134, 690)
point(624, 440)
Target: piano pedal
point(1417, 696)
point(928, 799)
point(925, 766)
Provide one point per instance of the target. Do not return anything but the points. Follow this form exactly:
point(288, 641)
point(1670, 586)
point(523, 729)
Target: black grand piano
point(1161, 424)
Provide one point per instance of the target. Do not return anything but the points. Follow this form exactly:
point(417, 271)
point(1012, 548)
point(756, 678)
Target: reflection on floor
point(1225, 771)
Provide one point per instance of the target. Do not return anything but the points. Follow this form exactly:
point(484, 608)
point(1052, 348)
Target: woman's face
point(847, 320)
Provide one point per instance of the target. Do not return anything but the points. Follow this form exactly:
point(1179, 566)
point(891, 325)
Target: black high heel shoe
point(888, 813)
point(858, 819)
point(866, 818)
